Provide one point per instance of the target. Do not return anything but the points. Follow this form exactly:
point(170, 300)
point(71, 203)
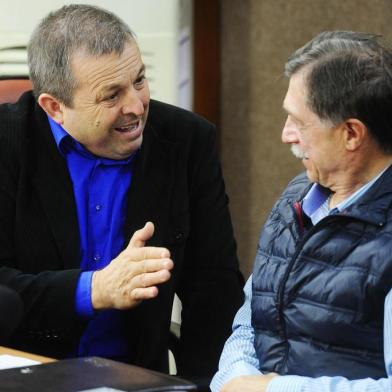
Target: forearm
point(328, 384)
point(48, 297)
point(229, 369)
point(238, 357)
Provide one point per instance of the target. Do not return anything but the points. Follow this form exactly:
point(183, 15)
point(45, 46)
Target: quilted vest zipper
point(281, 290)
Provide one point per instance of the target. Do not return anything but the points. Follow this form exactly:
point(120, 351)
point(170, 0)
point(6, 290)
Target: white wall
point(163, 29)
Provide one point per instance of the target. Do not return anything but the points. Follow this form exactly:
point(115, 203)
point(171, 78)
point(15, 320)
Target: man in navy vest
point(318, 308)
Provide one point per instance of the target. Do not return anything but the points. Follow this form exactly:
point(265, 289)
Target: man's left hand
point(255, 383)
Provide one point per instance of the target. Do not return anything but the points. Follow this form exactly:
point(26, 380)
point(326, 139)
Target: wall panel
point(256, 38)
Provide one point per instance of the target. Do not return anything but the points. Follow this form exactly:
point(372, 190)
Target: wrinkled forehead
point(84, 64)
point(97, 53)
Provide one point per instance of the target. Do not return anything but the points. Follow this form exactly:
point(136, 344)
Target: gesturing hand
point(133, 275)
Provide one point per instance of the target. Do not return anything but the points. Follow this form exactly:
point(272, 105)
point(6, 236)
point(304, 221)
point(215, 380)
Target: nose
point(133, 102)
point(290, 132)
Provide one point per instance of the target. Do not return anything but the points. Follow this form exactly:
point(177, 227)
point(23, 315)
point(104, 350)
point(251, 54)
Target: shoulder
point(15, 117)
point(295, 191)
point(23, 106)
point(177, 124)
point(19, 123)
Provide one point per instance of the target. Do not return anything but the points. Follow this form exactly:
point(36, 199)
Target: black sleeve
point(28, 265)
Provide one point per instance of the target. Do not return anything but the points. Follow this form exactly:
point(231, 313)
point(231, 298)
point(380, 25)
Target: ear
point(52, 106)
point(354, 133)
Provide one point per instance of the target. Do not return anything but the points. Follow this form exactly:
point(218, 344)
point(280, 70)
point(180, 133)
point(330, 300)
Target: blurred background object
point(224, 59)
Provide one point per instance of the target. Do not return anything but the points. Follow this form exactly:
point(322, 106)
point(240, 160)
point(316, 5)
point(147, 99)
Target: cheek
point(146, 91)
point(105, 118)
point(309, 142)
point(304, 142)
point(144, 97)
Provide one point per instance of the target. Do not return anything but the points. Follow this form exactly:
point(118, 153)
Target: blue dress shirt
point(239, 356)
point(100, 187)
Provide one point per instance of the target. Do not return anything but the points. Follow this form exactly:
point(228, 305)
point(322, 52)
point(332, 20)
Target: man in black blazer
point(89, 106)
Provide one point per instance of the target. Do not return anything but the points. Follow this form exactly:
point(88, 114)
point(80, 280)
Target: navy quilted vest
point(318, 291)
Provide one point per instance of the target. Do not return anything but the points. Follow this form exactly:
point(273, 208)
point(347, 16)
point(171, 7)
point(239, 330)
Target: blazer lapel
point(152, 185)
point(150, 199)
point(54, 188)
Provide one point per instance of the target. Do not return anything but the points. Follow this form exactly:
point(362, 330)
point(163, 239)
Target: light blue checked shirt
point(239, 356)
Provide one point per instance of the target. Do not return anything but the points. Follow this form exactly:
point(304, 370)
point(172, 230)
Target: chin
point(311, 176)
point(127, 153)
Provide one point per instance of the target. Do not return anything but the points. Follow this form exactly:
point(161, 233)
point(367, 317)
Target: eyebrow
point(115, 86)
point(141, 70)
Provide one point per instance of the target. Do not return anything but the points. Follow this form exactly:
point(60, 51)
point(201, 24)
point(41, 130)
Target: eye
point(140, 81)
point(111, 97)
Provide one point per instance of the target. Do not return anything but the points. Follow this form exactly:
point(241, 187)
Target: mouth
point(129, 128)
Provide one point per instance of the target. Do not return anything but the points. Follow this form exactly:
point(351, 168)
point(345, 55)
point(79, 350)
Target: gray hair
point(348, 75)
point(63, 32)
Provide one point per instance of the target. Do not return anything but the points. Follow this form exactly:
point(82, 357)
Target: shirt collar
point(315, 198)
point(65, 142)
point(59, 135)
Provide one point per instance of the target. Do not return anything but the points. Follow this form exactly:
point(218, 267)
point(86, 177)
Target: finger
point(149, 266)
point(140, 237)
point(140, 294)
point(145, 253)
point(150, 279)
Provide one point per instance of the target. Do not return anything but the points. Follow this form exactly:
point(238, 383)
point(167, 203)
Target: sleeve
point(341, 384)
point(48, 294)
point(239, 356)
point(210, 286)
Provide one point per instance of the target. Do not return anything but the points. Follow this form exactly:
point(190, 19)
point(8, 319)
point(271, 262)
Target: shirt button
point(178, 235)
point(98, 207)
point(97, 257)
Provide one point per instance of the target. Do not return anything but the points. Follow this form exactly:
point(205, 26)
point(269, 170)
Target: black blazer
point(177, 184)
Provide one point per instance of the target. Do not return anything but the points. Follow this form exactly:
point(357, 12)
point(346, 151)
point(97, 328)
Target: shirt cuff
point(286, 384)
point(84, 307)
point(243, 369)
point(237, 369)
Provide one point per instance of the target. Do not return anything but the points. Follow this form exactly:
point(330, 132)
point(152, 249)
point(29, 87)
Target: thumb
point(140, 237)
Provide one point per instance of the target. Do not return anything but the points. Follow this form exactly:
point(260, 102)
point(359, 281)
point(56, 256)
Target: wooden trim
point(17, 353)
point(206, 33)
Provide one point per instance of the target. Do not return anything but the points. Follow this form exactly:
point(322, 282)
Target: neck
point(355, 179)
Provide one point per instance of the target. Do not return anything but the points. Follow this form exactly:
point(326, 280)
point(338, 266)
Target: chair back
point(12, 89)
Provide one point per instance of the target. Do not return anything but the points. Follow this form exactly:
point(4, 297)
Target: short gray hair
point(348, 75)
point(63, 32)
